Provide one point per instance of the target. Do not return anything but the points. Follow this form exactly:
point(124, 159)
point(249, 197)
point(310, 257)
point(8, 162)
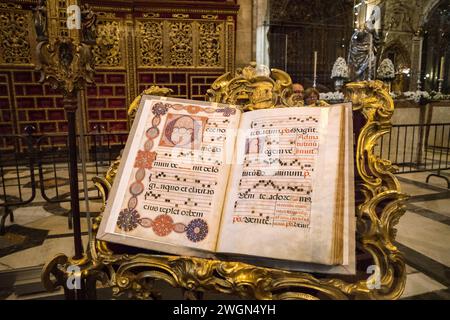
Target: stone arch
point(402, 54)
point(428, 10)
point(397, 52)
point(436, 43)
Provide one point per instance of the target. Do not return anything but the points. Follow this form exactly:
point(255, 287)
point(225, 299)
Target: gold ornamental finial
point(251, 88)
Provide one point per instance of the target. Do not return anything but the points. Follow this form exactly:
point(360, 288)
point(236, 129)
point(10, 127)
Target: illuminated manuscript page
point(170, 189)
point(281, 198)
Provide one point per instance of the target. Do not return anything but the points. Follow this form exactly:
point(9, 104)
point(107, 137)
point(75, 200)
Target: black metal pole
point(70, 104)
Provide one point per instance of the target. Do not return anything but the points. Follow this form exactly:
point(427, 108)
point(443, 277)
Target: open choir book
point(271, 187)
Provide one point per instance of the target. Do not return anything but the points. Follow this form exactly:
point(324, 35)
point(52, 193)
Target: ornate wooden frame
point(379, 209)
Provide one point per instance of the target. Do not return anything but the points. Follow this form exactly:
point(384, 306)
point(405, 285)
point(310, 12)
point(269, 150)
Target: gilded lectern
point(379, 206)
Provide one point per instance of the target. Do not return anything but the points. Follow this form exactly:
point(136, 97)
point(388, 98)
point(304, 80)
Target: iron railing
point(34, 165)
point(418, 148)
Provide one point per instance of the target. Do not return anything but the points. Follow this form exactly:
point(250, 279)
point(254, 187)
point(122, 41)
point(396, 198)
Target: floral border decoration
point(129, 218)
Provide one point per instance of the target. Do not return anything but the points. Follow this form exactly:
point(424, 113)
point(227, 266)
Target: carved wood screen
point(182, 45)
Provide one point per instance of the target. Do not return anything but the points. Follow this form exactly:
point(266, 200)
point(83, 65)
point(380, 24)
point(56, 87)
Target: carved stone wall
point(436, 45)
point(297, 28)
point(404, 26)
point(184, 46)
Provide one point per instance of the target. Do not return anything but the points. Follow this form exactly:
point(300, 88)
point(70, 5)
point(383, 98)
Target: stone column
point(261, 23)
point(244, 34)
point(416, 62)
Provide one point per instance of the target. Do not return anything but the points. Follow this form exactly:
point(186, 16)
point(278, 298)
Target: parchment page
point(170, 187)
point(282, 194)
point(349, 208)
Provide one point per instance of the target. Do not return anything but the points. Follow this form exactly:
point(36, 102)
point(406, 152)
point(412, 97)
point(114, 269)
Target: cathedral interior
point(183, 46)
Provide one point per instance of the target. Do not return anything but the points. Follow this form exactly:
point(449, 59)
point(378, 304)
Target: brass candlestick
point(67, 65)
point(441, 82)
point(441, 74)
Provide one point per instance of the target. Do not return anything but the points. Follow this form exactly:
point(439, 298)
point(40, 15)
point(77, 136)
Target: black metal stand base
point(6, 212)
point(70, 104)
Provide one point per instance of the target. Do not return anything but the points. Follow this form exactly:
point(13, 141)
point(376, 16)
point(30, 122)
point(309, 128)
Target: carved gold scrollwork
point(107, 52)
point(15, 47)
point(9, 5)
point(210, 50)
point(210, 16)
point(64, 64)
point(151, 15)
point(181, 51)
point(180, 15)
point(150, 43)
point(109, 15)
point(250, 89)
point(376, 216)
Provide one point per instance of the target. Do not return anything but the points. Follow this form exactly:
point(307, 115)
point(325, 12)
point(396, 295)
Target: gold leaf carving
point(10, 6)
point(110, 15)
point(107, 51)
point(181, 52)
point(180, 16)
point(150, 15)
point(251, 90)
point(14, 34)
point(210, 46)
point(210, 16)
point(64, 64)
point(151, 43)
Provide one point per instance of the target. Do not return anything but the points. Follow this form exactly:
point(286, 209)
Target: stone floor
point(423, 234)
